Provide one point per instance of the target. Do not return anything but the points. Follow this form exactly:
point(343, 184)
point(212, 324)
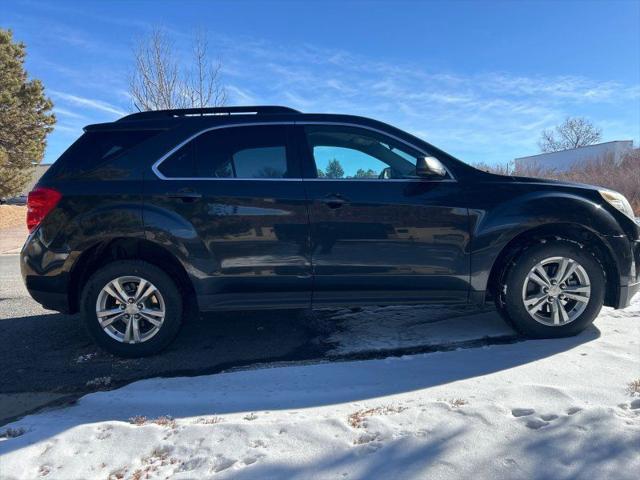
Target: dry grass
point(358, 419)
point(44, 470)
point(163, 421)
point(158, 459)
point(634, 387)
point(118, 474)
point(12, 216)
point(208, 420)
point(457, 402)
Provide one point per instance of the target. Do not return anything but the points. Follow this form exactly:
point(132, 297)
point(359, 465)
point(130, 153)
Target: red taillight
point(40, 202)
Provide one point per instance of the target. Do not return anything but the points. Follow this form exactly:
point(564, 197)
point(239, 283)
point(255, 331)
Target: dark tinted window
point(95, 148)
point(179, 164)
point(243, 152)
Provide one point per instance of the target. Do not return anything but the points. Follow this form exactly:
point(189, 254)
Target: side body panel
point(380, 241)
point(244, 243)
point(390, 242)
point(90, 212)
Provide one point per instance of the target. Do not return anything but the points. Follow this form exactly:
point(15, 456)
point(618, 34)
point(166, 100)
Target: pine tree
point(25, 118)
point(334, 169)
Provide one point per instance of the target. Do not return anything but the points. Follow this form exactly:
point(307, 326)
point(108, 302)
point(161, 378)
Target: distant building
point(565, 159)
point(38, 171)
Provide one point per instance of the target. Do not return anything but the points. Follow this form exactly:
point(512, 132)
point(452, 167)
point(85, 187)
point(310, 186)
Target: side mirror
point(385, 173)
point(430, 167)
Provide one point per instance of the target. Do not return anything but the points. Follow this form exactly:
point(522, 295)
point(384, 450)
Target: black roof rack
point(198, 112)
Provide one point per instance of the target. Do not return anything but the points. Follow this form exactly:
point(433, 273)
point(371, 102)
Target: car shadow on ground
point(51, 352)
point(293, 387)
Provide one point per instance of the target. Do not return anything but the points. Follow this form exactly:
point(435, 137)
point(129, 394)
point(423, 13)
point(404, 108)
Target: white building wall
point(565, 159)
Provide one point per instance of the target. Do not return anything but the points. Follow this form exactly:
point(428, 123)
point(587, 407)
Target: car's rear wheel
point(553, 289)
point(131, 308)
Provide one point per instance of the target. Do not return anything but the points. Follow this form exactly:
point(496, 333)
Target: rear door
point(238, 195)
point(379, 233)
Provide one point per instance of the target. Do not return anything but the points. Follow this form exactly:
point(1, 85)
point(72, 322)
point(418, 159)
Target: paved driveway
point(46, 357)
point(12, 238)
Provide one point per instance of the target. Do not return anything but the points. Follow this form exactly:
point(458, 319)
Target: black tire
point(510, 302)
point(167, 288)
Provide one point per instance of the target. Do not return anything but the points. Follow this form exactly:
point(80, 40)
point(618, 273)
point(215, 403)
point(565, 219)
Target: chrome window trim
point(158, 162)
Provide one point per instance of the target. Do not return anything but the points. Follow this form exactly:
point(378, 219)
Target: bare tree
point(202, 85)
point(161, 81)
point(572, 133)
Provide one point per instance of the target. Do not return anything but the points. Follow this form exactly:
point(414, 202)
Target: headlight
point(618, 201)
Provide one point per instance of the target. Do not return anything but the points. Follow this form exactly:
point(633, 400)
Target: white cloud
point(239, 95)
point(478, 116)
point(88, 102)
point(66, 113)
point(488, 116)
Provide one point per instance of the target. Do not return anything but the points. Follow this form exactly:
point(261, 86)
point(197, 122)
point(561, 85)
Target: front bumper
point(627, 293)
point(630, 273)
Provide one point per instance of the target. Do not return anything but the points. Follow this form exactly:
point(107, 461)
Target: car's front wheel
point(553, 289)
point(131, 308)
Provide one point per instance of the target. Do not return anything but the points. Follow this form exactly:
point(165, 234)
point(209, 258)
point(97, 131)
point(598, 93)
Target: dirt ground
point(13, 228)
point(12, 215)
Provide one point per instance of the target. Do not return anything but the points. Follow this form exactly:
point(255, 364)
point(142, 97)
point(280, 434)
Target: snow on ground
point(534, 409)
point(389, 328)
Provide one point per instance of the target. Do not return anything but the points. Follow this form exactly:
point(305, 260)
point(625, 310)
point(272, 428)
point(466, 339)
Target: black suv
point(166, 212)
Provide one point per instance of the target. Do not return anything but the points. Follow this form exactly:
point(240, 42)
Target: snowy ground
point(532, 409)
point(403, 327)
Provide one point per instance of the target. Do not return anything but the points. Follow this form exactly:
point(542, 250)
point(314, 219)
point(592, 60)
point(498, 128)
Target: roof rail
point(200, 112)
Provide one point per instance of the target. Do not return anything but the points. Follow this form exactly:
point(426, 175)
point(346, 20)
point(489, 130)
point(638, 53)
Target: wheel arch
point(128, 248)
point(558, 231)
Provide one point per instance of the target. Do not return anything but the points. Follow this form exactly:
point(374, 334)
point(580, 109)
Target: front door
point(379, 233)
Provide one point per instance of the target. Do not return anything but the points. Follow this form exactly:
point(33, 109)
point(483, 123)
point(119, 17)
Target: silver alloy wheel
point(130, 309)
point(556, 291)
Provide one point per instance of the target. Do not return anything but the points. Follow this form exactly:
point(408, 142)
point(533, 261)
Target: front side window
point(351, 153)
point(256, 152)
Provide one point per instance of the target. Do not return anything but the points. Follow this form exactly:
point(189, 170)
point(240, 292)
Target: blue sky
point(477, 79)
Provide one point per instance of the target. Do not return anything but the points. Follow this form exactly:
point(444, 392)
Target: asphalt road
point(47, 357)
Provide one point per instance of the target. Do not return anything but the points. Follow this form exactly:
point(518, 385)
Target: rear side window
point(235, 152)
point(96, 147)
point(180, 163)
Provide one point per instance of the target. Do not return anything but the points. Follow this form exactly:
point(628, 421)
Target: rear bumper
point(51, 300)
point(45, 274)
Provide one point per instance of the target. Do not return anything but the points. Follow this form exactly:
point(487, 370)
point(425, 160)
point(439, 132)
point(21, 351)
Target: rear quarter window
point(95, 148)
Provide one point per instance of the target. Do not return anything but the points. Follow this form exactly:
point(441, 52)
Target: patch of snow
point(536, 409)
point(388, 328)
point(86, 357)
